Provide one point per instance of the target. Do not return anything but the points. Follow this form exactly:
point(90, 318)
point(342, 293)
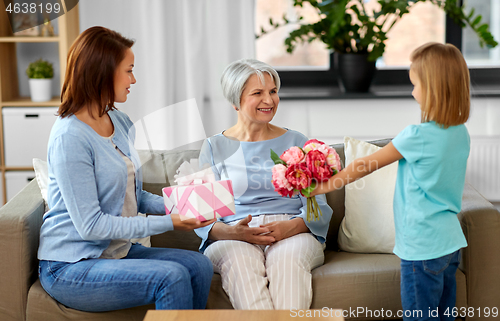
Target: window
point(474, 54)
point(270, 47)
point(425, 22)
point(311, 63)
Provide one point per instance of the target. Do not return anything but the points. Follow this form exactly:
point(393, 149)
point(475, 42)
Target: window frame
point(387, 76)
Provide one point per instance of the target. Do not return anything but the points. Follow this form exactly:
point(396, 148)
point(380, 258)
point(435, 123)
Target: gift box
point(202, 201)
point(198, 194)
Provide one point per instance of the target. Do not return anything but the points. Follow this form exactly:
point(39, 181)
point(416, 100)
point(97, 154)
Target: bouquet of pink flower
point(298, 169)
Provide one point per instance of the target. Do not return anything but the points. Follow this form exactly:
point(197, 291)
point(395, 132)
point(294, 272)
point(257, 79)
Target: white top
point(119, 248)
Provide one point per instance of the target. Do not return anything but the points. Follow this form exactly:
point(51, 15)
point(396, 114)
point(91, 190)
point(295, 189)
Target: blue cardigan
point(86, 191)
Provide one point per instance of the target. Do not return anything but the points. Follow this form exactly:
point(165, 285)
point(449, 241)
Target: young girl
point(432, 161)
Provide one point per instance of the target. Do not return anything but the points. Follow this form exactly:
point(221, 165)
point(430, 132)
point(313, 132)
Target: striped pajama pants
point(258, 277)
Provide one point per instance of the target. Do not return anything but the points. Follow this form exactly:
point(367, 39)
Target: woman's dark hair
point(91, 64)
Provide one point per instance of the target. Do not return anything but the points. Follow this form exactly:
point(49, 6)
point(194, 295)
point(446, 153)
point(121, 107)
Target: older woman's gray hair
point(235, 77)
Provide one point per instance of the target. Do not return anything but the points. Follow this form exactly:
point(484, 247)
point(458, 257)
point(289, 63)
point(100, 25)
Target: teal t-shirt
point(429, 188)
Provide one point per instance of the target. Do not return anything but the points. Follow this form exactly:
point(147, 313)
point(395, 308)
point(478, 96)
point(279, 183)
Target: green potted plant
point(358, 35)
point(40, 74)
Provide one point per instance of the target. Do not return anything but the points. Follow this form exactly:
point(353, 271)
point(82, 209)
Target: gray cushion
point(370, 278)
point(159, 167)
point(351, 280)
point(41, 307)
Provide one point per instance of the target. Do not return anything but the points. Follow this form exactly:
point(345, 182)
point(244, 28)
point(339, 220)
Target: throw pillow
point(368, 225)
point(42, 178)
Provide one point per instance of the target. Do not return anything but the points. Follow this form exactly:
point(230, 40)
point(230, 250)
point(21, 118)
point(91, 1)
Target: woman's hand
point(283, 229)
point(189, 224)
point(255, 235)
point(242, 232)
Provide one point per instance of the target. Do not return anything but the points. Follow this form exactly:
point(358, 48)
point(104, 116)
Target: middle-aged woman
point(264, 253)
point(87, 261)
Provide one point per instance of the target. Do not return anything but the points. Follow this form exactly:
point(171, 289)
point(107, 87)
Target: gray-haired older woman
point(264, 253)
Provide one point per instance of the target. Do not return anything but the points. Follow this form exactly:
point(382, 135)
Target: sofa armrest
point(20, 221)
point(481, 258)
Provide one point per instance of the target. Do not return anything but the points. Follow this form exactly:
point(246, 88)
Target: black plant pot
point(355, 72)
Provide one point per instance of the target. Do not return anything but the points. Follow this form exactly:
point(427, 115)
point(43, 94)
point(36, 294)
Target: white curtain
point(181, 49)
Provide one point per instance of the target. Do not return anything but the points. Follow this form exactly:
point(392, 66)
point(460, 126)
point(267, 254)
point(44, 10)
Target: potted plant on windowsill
point(358, 35)
point(40, 74)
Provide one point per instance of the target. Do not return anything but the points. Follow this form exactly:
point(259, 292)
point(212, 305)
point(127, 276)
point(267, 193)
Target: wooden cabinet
point(68, 24)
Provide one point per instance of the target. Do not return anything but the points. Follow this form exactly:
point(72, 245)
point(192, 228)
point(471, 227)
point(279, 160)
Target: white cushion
point(368, 225)
point(42, 178)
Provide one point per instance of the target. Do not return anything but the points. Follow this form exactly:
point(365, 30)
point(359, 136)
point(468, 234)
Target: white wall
point(331, 120)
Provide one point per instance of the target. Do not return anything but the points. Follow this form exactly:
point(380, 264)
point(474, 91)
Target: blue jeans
point(169, 278)
point(428, 288)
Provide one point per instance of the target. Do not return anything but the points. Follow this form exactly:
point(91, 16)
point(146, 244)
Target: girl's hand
point(327, 186)
point(359, 168)
point(283, 229)
point(189, 224)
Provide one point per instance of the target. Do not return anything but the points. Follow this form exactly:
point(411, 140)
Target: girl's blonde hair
point(444, 81)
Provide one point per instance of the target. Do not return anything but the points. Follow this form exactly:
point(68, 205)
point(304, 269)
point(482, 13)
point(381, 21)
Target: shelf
point(376, 92)
point(14, 169)
point(28, 39)
point(10, 95)
point(334, 92)
point(26, 102)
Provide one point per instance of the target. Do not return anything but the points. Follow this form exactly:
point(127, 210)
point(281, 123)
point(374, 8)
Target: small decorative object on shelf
point(40, 73)
point(47, 29)
point(25, 24)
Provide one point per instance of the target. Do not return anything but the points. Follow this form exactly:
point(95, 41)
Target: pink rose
point(299, 176)
point(280, 182)
point(316, 162)
point(312, 144)
point(333, 160)
point(332, 157)
point(293, 155)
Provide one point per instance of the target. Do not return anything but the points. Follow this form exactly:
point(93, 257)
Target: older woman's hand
point(282, 229)
point(242, 232)
point(255, 235)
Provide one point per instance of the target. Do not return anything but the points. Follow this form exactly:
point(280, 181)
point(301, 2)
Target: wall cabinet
point(26, 133)
point(10, 98)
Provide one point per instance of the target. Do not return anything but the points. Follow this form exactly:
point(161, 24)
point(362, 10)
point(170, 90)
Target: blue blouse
point(86, 191)
point(429, 188)
point(249, 166)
